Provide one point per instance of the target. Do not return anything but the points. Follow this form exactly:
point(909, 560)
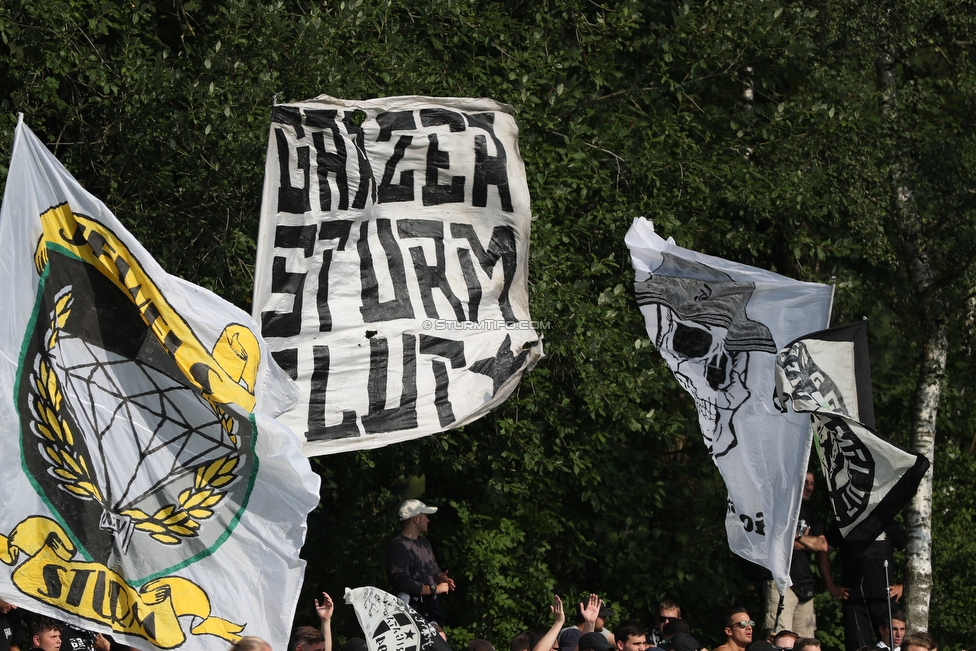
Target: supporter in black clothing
point(864, 591)
point(10, 629)
point(410, 564)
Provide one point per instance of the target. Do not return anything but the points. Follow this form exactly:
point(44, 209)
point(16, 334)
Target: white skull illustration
point(714, 376)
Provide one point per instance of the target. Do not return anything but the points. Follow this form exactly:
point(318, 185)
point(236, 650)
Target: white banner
point(146, 487)
point(719, 324)
point(391, 276)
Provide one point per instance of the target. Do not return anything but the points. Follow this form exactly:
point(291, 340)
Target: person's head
point(785, 639)
point(897, 630)
point(251, 643)
point(601, 619)
point(738, 626)
point(480, 645)
point(306, 638)
point(806, 644)
point(630, 636)
point(675, 627)
point(413, 515)
point(684, 642)
point(919, 641)
point(666, 611)
point(594, 642)
point(523, 641)
point(808, 486)
point(354, 644)
point(46, 634)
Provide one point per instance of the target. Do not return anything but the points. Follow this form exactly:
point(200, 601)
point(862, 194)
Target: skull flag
point(146, 488)
point(718, 324)
point(869, 478)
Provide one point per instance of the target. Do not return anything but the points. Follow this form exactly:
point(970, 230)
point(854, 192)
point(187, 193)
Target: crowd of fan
point(672, 633)
point(417, 580)
point(591, 633)
point(588, 633)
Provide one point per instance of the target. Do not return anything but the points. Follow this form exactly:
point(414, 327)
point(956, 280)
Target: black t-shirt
point(803, 585)
point(76, 639)
point(863, 571)
point(10, 630)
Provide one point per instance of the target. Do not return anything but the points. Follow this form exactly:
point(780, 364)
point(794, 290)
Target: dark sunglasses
point(745, 624)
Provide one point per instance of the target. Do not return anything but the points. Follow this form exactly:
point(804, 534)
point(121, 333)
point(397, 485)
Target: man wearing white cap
point(411, 566)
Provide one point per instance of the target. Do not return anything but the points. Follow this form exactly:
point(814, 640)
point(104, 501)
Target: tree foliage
point(750, 129)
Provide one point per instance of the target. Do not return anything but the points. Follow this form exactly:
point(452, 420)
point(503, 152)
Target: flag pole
point(779, 611)
point(833, 290)
point(891, 636)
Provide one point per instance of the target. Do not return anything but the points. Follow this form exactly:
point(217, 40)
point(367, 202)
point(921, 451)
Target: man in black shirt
point(411, 566)
point(9, 626)
point(865, 583)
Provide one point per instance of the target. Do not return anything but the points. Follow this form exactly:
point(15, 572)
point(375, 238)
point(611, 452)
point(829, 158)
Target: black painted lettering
point(390, 122)
point(288, 324)
point(119, 607)
point(98, 244)
point(433, 193)
point(372, 308)
point(77, 588)
point(367, 182)
point(489, 170)
point(52, 581)
point(317, 429)
point(327, 162)
point(403, 416)
point(430, 276)
point(760, 524)
point(98, 596)
point(331, 230)
point(287, 359)
point(148, 624)
point(290, 116)
point(500, 247)
point(452, 351)
point(746, 522)
point(291, 199)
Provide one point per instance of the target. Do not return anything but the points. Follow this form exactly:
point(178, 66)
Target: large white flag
point(719, 324)
point(147, 490)
point(391, 276)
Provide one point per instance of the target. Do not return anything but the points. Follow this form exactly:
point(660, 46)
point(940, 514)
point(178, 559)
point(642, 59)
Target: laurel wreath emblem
point(172, 523)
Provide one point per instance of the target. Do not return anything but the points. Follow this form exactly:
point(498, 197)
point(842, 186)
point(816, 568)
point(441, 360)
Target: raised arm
point(590, 613)
point(547, 642)
point(324, 611)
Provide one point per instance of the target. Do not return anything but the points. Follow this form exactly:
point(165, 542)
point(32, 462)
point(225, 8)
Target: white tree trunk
point(918, 570)
point(928, 389)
